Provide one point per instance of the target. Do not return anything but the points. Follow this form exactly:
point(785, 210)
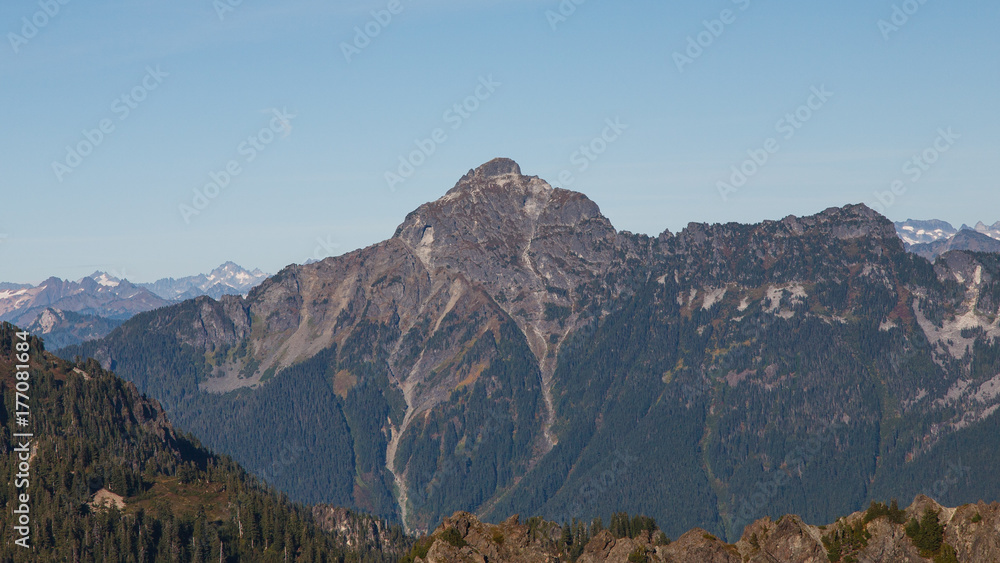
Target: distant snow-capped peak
point(914, 231)
point(228, 279)
point(992, 231)
point(105, 279)
point(235, 276)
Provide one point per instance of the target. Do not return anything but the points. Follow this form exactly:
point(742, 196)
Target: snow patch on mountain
point(104, 279)
point(228, 279)
point(913, 231)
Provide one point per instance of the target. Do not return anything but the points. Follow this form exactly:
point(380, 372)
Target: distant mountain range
point(227, 279)
point(963, 240)
point(932, 238)
point(67, 312)
point(118, 300)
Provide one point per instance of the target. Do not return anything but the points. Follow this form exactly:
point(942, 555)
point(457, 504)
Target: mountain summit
point(519, 239)
point(508, 351)
point(492, 169)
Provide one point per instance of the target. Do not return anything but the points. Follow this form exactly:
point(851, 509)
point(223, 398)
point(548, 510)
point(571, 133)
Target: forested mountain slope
point(165, 498)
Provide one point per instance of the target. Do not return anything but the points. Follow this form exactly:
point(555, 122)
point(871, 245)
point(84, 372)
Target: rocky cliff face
point(64, 328)
point(359, 531)
point(507, 351)
point(971, 533)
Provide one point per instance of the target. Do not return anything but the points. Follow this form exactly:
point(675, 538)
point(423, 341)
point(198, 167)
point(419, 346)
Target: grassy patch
point(183, 499)
point(343, 382)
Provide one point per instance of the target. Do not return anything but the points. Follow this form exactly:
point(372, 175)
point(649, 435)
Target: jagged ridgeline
point(112, 481)
point(507, 351)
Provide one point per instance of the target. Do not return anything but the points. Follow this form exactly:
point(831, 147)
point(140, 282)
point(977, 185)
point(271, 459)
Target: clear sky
point(186, 89)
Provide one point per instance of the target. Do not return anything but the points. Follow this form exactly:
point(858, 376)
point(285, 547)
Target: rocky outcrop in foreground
point(360, 531)
point(925, 531)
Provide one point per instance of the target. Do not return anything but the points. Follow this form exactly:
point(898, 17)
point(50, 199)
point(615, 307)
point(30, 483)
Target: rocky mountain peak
point(104, 279)
point(493, 168)
point(854, 221)
point(494, 212)
point(499, 174)
point(528, 245)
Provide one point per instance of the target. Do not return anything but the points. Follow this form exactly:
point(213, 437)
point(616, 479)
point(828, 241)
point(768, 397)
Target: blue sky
point(317, 185)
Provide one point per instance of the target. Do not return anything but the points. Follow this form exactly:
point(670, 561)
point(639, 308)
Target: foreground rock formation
point(971, 533)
